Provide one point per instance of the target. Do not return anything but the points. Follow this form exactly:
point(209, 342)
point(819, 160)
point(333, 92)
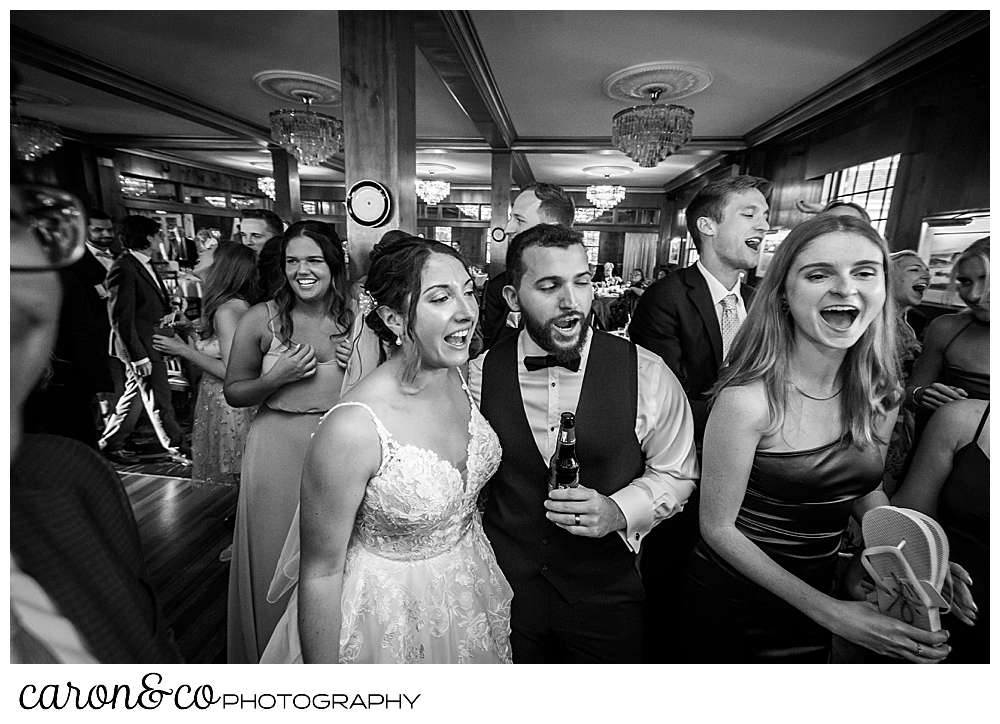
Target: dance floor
point(183, 528)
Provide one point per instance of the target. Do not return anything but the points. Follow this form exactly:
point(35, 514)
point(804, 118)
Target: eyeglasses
point(48, 228)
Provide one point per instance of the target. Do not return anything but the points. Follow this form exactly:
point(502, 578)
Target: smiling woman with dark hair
point(284, 359)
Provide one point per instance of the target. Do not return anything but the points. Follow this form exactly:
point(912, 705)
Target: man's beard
point(544, 336)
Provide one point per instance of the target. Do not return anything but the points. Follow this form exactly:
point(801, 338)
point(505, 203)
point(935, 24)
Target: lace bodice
point(419, 505)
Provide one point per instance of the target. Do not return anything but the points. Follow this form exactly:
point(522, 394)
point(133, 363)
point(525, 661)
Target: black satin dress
point(796, 508)
point(964, 513)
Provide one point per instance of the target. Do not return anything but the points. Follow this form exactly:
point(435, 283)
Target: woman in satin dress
point(794, 445)
point(395, 566)
point(288, 359)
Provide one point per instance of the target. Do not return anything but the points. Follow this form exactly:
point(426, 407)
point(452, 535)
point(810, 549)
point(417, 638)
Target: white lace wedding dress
point(421, 582)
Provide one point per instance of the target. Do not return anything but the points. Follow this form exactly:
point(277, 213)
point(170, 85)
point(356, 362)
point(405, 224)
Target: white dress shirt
point(103, 256)
point(719, 292)
point(664, 428)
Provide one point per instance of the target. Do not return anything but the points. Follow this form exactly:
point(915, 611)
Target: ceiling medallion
point(310, 136)
point(607, 171)
point(648, 134)
point(672, 80)
point(289, 85)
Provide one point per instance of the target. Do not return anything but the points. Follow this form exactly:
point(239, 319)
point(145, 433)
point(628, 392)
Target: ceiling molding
point(43, 54)
point(453, 144)
point(934, 37)
point(449, 42)
point(590, 144)
point(709, 164)
point(218, 144)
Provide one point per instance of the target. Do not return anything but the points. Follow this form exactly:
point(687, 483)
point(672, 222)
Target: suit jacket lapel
point(702, 301)
point(152, 280)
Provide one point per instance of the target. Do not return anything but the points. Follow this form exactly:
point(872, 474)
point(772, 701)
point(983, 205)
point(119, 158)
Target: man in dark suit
point(684, 316)
point(689, 318)
point(139, 305)
point(536, 204)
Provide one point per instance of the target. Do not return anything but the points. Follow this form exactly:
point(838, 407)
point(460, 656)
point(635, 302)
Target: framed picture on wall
point(675, 250)
point(943, 238)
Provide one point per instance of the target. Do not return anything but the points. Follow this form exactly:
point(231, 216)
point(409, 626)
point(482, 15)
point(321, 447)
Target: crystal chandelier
point(32, 137)
point(648, 134)
point(605, 196)
point(432, 191)
point(310, 136)
point(266, 185)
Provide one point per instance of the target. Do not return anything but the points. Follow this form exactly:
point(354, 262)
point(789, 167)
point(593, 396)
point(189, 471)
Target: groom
point(570, 555)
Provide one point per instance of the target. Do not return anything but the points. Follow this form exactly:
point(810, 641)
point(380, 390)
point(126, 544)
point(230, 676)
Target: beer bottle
point(564, 468)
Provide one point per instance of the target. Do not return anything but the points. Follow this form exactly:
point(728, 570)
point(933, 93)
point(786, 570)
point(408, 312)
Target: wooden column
point(500, 209)
point(287, 192)
point(377, 76)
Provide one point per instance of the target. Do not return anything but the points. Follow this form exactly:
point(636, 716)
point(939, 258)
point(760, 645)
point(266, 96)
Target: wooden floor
point(183, 530)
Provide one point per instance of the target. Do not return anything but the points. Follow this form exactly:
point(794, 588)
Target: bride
point(395, 567)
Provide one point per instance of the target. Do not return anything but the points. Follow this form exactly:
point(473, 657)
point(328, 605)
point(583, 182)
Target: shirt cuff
point(142, 361)
point(638, 512)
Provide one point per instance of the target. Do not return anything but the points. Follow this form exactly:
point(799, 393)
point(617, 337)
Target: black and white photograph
point(549, 336)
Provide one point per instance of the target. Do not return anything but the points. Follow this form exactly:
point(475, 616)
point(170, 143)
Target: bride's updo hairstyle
point(394, 278)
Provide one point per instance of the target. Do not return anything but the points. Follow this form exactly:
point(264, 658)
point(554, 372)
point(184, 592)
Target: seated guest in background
point(609, 275)
point(395, 567)
point(79, 591)
point(950, 481)
point(139, 305)
point(690, 318)
point(219, 431)
point(909, 278)
point(794, 445)
point(536, 204)
point(570, 554)
point(257, 226)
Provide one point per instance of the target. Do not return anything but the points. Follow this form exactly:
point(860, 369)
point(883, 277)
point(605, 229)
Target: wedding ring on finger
point(918, 649)
point(578, 519)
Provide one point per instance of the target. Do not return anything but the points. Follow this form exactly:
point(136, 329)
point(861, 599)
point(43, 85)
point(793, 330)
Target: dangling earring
point(399, 341)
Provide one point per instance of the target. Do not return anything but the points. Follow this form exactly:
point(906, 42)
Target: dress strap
point(383, 433)
point(982, 424)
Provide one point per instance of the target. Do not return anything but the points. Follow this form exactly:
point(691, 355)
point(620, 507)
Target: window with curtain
point(592, 240)
point(640, 253)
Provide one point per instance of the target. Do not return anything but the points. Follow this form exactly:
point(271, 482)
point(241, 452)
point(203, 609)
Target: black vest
point(525, 541)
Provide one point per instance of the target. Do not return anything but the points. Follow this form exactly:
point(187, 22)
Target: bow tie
point(536, 363)
point(106, 254)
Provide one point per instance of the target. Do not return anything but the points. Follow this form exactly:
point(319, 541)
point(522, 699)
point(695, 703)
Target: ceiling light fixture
point(310, 136)
point(33, 137)
point(605, 196)
point(433, 191)
point(266, 184)
point(648, 134)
